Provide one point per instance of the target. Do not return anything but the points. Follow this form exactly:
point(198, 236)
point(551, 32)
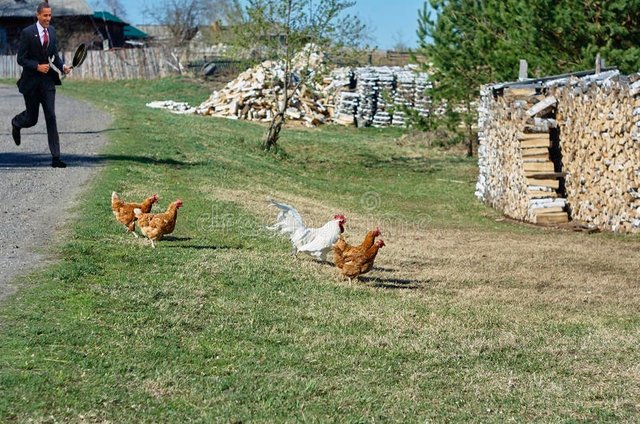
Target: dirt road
point(35, 199)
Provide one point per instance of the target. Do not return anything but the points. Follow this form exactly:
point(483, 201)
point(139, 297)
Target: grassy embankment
point(466, 317)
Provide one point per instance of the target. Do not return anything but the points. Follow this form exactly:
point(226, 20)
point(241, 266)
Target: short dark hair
point(42, 5)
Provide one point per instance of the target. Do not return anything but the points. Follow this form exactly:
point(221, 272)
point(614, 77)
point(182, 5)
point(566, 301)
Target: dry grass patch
point(549, 265)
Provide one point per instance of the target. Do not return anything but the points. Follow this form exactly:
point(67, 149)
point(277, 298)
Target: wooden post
point(598, 64)
point(522, 73)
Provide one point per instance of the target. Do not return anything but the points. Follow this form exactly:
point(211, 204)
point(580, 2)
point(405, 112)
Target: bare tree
point(181, 17)
point(113, 6)
point(227, 12)
point(282, 29)
point(399, 43)
point(184, 17)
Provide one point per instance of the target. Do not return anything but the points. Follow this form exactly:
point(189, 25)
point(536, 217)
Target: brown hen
point(123, 211)
point(360, 262)
point(156, 225)
point(341, 248)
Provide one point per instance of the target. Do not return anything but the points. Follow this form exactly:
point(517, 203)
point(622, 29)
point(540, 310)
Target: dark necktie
point(45, 38)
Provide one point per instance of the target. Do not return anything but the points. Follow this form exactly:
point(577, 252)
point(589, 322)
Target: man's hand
point(66, 69)
point(43, 67)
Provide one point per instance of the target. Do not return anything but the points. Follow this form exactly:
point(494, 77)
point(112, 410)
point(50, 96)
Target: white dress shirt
point(41, 32)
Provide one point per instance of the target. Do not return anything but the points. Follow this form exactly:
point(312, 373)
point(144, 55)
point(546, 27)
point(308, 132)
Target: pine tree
point(473, 42)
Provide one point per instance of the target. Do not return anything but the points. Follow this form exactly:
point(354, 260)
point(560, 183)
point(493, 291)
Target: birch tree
point(280, 30)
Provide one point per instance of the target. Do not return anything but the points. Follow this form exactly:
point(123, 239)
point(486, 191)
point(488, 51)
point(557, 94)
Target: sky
point(391, 22)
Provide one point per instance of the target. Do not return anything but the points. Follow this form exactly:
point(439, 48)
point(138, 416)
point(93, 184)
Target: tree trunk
point(273, 133)
point(469, 124)
point(471, 137)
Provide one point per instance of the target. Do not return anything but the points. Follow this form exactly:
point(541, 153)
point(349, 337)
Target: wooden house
point(73, 20)
point(118, 33)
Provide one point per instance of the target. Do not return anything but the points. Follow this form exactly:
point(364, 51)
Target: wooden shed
point(73, 20)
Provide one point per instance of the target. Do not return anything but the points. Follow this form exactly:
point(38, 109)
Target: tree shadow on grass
point(381, 269)
point(199, 247)
point(27, 132)
point(393, 283)
point(172, 239)
point(87, 132)
point(43, 160)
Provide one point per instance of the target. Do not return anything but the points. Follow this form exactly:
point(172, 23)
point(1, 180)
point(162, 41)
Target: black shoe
point(15, 132)
point(57, 163)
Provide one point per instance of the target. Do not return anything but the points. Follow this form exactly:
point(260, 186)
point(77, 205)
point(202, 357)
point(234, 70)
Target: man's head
point(43, 12)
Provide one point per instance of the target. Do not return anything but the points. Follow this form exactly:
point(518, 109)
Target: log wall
point(563, 149)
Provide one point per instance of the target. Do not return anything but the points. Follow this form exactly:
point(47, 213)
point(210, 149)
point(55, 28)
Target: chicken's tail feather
point(288, 220)
point(280, 205)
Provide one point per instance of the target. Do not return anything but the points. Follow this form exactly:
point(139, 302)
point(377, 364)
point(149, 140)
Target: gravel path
point(35, 199)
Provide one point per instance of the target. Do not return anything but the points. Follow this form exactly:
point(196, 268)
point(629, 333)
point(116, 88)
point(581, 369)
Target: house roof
point(130, 32)
point(27, 8)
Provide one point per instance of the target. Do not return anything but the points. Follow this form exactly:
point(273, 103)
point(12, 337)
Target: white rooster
point(316, 242)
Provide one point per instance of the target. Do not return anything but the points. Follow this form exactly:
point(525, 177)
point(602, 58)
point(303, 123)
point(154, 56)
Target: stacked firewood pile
point(514, 154)
point(255, 93)
point(377, 96)
point(563, 148)
point(338, 86)
point(366, 96)
point(600, 140)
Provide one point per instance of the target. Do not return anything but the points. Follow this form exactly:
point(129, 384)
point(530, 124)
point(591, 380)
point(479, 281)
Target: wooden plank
point(535, 142)
point(551, 183)
point(546, 211)
point(542, 105)
point(552, 218)
point(535, 194)
point(546, 166)
point(547, 202)
point(539, 125)
point(535, 158)
point(549, 213)
point(550, 175)
point(529, 136)
point(534, 151)
point(541, 175)
point(520, 91)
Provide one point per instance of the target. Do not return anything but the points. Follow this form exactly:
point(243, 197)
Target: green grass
point(219, 324)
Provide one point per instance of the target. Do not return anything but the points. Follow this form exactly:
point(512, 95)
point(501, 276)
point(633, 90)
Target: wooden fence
point(110, 64)
point(9, 68)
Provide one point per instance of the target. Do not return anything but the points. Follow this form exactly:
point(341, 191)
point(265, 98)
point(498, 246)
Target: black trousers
point(45, 96)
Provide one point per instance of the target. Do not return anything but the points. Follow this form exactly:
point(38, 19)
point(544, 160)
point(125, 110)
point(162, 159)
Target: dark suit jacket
point(31, 53)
